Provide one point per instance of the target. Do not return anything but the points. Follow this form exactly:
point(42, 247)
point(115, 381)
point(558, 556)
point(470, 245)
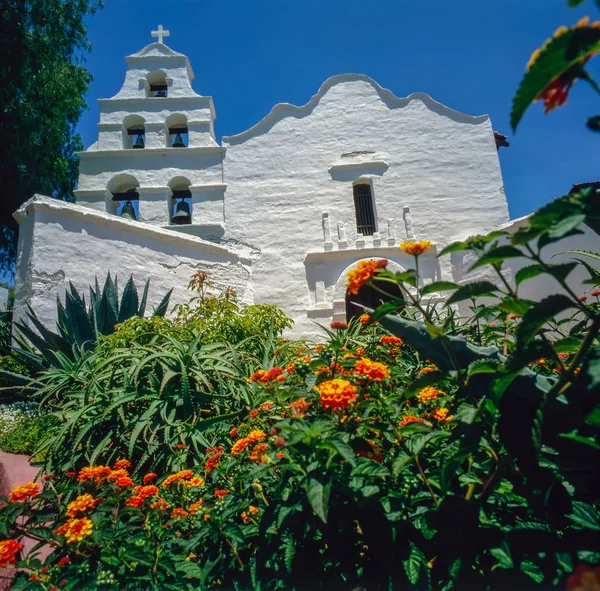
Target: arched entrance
point(371, 298)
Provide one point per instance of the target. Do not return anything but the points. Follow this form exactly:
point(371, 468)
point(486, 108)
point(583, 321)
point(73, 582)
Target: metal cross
point(160, 34)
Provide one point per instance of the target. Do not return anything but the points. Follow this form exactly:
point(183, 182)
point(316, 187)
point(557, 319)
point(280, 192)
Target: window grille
point(365, 214)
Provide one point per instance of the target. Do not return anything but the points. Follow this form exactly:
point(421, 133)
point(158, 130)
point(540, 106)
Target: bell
point(127, 212)
point(161, 93)
point(182, 214)
point(139, 143)
point(178, 143)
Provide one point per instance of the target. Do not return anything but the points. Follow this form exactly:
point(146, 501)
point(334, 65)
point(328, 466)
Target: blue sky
point(467, 54)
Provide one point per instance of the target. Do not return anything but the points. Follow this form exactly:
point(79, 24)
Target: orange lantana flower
point(81, 504)
point(415, 247)
point(429, 393)
point(390, 340)
point(179, 512)
point(95, 473)
point(299, 408)
point(364, 271)
point(23, 492)
point(181, 475)
point(336, 394)
point(371, 369)
point(121, 464)
point(146, 491)
point(441, 414)
point(8, 551)
point(77, 529)
point(408, 419)
point(241, 444)
point(585, 578)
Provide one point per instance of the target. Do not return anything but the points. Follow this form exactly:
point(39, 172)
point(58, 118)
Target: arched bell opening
point(177, 131)
point(180, 208)
point(134, 132)
point(157, 86)
point(124, 198)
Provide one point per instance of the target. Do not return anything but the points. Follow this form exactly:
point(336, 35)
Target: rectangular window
point(365, 213)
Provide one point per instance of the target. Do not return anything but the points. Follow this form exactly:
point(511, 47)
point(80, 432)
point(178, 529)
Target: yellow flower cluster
point(76, 529)
point(429, 393)
point(81, 504)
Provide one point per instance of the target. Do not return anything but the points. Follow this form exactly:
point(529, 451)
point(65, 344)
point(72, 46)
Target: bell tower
point(156, 159)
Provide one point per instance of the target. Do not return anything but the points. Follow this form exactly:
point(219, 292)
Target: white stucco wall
point(61, 242)
point(279, 195)
point(301, 162)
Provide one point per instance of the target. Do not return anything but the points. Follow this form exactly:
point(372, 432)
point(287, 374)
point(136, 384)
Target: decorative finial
point(160, 34)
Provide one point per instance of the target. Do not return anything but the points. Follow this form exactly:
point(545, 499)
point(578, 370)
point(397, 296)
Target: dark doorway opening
point(371, 298)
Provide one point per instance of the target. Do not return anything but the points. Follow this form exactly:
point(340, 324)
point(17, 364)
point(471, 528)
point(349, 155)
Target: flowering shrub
point(413, 449)
point(395, 455)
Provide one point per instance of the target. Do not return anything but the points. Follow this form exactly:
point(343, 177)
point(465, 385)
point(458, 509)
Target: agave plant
point(79, 327)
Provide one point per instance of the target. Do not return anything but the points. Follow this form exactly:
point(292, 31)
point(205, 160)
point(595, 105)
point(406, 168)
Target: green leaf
point(561, 271)
point(593, 418)
point(438, 286)
point(532, 570)
point(502, 555)
point(580, 439)
point(585, 515)
point(415, 334)
point(129, 301)
point(417, 443)
point(342, 448)
point(454, 247)
point(574, 3)
point(142, 309)
point(399, 462)
point(482, 366)
point(591, 367)
point(566, 225)
point(592, 123)
point(538, 315)
point(594, 273)
point(515, 306)
point(472, 291)
point(189, 569)
point(369, 468)
point(559, 55)
point(318, 497)
point(497, 255)
point(161, 309)
point(416, 565)
point(107, 312)
point(79, 321)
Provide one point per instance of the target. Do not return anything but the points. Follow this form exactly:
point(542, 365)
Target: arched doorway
point(371, 298)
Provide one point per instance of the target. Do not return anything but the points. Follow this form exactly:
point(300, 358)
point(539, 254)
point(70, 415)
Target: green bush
point(396, 455)
point(27, 434)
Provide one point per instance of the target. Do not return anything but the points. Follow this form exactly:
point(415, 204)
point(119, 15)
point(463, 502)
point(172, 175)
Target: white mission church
point(279, 212)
